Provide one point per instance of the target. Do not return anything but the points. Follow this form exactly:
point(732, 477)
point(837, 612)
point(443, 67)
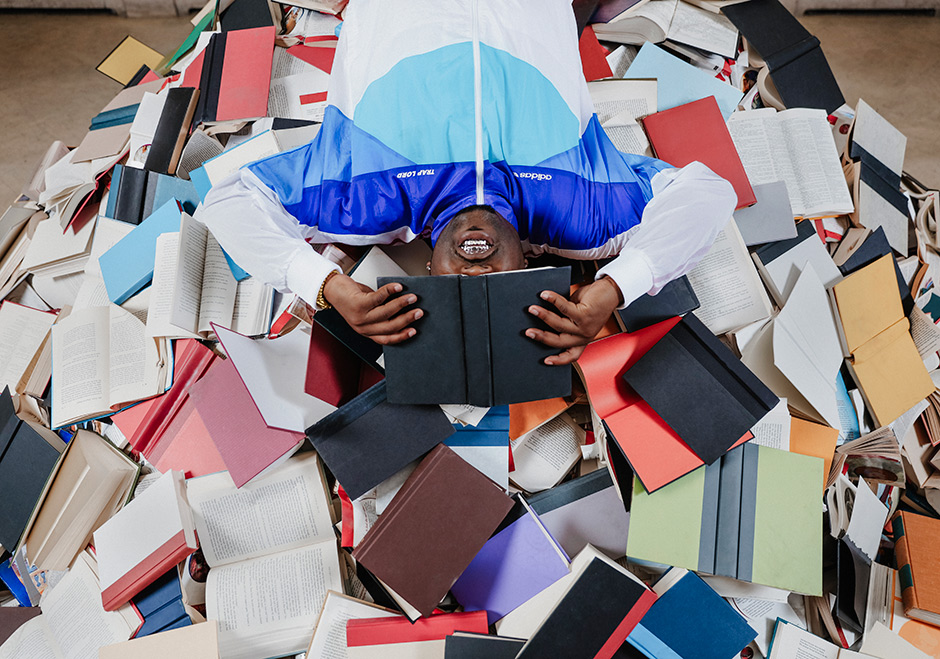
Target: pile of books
point(745, 464)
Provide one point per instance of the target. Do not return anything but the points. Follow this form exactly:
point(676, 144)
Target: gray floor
point(49, 88)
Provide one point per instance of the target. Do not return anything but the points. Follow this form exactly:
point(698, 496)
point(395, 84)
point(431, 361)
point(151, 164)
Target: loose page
point(543, 456)
point(80, 373)
point(284, 510)
point(267, 607)
point(728, 286)
point(22, 333)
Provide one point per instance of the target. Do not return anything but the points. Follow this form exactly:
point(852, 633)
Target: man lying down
point(470, 123)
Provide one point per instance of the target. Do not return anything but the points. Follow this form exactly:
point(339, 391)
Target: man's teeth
point(474, 246)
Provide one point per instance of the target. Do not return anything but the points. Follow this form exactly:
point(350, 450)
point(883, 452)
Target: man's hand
point(578, 320)
point(371, 313)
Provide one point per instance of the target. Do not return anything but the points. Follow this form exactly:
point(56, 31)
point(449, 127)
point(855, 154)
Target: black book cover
point(875, 246)
point(172, 128)
point(367, 440)
point(465, 645)
point(698, 387)
point(210, 79)
point(570, 491)
point(770, 251)
point(854, 571)
point(363, 347)
point(602, 601)
point(130, 195)
point(244, 14)
point(470, 346)
point(675, 299)
point(797, 64)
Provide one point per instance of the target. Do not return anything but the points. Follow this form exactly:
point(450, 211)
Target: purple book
point(514, 565)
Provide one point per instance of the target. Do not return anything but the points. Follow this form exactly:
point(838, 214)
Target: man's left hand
point(577, 320)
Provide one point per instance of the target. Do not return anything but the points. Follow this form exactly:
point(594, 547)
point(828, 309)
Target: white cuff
point(306, 272)
point(632, 274)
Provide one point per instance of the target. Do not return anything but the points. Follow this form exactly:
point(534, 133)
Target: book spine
point(474, 312)
point(905, 572)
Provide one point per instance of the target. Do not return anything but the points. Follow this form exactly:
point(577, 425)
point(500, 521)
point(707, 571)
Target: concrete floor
point(49, 88)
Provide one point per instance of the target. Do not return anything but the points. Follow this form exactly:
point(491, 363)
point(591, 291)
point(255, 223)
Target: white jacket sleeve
point(250, 223)
point(690, 206)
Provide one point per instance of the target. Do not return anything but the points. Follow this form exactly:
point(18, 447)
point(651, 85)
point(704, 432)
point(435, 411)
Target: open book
point(795, 146)
point(23, 333)
point(103, 360)
point(272, 548)
point(193, 287)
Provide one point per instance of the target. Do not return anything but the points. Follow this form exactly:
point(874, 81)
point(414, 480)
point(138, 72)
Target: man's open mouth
point(475, 249)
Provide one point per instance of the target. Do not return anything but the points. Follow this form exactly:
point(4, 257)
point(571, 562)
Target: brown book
point(916, 540)
point(435, 525)
point(12, 617)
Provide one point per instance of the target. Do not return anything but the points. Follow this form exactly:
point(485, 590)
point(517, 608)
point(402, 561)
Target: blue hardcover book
point(161, 605)
point(485, 445)
point(689, 620)
point(128, 266)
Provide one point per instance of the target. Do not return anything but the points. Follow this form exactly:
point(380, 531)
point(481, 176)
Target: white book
point(272, 550)
point(23, 332)
point(780, 271)
point(147, 537)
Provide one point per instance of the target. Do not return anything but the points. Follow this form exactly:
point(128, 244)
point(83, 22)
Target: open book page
point(614, 97)
point(267, 607)
point(703, 29)
point(728, 286)
point(219, 288)
point(544, 455)
point(22, 333)
point(329, 636)
point(33, 640)
point(80, 381)
point(286, 509)
point(190, 264)
point(791, 642)
point(760, 144)
point(165, 274)
point(136, 366)
point(76, 617)
point(253, 302)
point(812, 150)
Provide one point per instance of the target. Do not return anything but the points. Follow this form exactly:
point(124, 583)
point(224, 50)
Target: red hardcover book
point(697, 131)
point(385, 631)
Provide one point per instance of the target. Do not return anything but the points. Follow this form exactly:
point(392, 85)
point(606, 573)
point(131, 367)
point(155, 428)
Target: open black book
point(471, 347)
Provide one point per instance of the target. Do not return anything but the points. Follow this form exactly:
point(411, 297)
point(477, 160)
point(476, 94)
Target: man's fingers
point(565, 306)
point(390, 309)
point(554, 340)
point(392, 326)
point(378, 297)
point(558, 323)
point(391, 339)
point(567, 357)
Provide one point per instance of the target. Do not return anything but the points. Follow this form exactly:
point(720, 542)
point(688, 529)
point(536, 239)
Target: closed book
point(382, 638)
point(873, 248)
point(146, 538)
point(161, 605)
point(470, 346)
point(193, 642)
point(916, 538)
point(698, 387)
point(419, 560)
point(465, 645)
point(675, 299)
point(129, 198)
point(697, 131)
point(598, 610)
point(236, 75)
point(172, 130)
point(368, 439)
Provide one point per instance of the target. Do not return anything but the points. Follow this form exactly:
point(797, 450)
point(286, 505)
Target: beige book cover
point(193, 642)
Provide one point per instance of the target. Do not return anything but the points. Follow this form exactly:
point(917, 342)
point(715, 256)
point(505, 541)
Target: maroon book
point(442, 516)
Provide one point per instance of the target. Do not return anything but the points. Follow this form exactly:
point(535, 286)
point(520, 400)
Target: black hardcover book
point(27, 459)
point(467, 645)
point(470, 346)
point(796, 63)
point(597, 612)
point(854, 572)
point(244, 14)
point(698, 387)
point(130, 195)
point(210, 78)
point(172, 129)
point(367, 440)
point(362, 346)
point(675, 299)
point(875, 246)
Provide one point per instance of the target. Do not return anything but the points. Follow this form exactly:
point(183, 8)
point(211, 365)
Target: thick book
point(29, 455)
point(754, 515)
point(137, 193)
point(796, 63)
point(131, 555)
point(368, 439)
point(698, 387)
point(697, 131)
point(876, 339)
point(172, 130)
point(236, 75)
point(674, 299)
point(600, 607)
point(421, 561)
point(470, 346)
point(689, 620)
point(915, 538)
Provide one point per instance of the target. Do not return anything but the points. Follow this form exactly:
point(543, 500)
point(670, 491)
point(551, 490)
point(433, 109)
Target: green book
point(754, 515)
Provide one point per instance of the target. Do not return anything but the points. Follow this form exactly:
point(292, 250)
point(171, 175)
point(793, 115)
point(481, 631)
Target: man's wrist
point(323, 301)
point(618, 295)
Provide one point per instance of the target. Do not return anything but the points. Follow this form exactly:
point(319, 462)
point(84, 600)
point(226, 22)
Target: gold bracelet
point(322, 302)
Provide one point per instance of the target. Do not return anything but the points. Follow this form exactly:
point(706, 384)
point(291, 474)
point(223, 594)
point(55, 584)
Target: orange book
point(916, 539)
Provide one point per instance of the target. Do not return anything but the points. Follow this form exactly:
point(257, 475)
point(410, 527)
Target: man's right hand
point(371, 313)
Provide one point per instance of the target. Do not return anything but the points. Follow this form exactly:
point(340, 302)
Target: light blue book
point(679, 83)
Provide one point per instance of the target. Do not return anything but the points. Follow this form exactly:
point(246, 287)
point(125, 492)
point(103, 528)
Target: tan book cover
point(193, 642)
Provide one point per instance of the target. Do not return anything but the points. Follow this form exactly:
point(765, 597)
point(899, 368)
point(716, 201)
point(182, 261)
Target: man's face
point(476, 243)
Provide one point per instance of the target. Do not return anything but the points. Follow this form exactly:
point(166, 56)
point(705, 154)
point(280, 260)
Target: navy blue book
point(161, 605)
